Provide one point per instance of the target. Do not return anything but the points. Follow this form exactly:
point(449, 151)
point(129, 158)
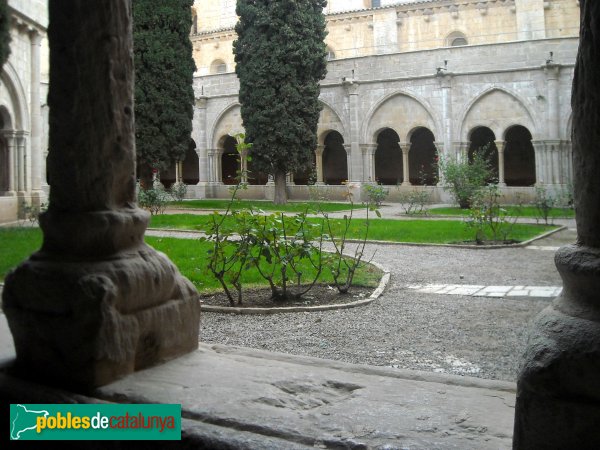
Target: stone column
point(440, 149)
point(368, 153)
point(36, 119)
point(10, 144)
point(96, 303)
point(538, 150)
point(500, 145)
point(446, 86)
point(21, 162)
point(289, 180)
point(177, 171)
point(202, 145)
point(244, 167)
point(558, 391)
point(319, 163)
point(353, 149)
point(552, 72)
point(405, 147)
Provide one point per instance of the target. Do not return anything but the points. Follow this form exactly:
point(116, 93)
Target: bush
point(154, 200)
point(376, 194)
point(544, 202)
point(489, 220)
point(465, 179)
point(178, 191)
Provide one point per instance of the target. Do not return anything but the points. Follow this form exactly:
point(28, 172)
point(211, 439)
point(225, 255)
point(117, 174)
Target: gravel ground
point(476, 336)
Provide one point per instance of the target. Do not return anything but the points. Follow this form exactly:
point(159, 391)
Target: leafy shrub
point(487, 217)
point(465, 179)
point(415, 201)
point(31, 213)
point(376, 194)
point(154, 200)
point(178, 191)
point(544, 202)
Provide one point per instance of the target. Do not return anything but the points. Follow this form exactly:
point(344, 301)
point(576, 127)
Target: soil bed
point(319, 295)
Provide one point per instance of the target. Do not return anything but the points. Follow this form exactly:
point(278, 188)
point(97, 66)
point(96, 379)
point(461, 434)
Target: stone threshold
point(236, 398)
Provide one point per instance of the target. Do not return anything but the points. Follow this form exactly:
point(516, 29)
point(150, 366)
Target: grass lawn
point(524, 211)
point(414, 231)
point(221, 204)
point(189, 255)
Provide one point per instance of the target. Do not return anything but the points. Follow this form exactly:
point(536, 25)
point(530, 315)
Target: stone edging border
point(385, 279)
point(411, 244)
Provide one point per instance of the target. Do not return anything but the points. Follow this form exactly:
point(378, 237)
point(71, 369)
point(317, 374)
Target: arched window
point(330, 54)
point(455, 39)
point(218, 66)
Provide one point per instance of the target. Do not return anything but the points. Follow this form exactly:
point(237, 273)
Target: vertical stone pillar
point(353, 150)
point(500, 146)
point(319, 163)
point(177, 171)
point(552, 72)
point(21, 162)
point(558, 392)
point(36, 119)
point(405, 147)
point(244, 167)
point(201, 144)
point(538, 150)
point(446, 86)
point(368, 153)
point(95, 303)
point(10, 143)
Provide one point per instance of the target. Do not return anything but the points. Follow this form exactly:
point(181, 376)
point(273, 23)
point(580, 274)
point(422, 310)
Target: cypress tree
point(164, 70)
point(4, 32)
point(280, 58)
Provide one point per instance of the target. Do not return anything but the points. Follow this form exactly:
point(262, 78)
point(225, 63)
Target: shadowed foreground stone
point(558, 398)
point(95, 303)
point(235, 398)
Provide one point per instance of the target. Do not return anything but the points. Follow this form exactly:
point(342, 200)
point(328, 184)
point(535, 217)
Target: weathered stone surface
point(96, 303)
point(558, 398)
point(313, 402)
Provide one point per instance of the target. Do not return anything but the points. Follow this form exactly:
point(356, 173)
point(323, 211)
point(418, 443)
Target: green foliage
point(164, 70)
point(154, 199)
point(465, 179)
point(4, 32)
point(31, 213)
point(488, 219)
point(376, 194)
point(280, 58)
point(415, 201)
point(178, 191)
point(343, 269)
point(544, 203)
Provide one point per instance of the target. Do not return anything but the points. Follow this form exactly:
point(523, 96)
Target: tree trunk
point(280, 197)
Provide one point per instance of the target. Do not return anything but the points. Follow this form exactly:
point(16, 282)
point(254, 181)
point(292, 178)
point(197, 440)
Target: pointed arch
point(227, 122)
point(403, 108)
point(329, 120)
point(19, 110)
point(497, 123)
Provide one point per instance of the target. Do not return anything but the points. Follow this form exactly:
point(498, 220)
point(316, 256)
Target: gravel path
point(476, 336)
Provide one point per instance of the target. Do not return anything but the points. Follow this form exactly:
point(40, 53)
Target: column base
point(82, 320)
point(406, 183)
point(558, 396)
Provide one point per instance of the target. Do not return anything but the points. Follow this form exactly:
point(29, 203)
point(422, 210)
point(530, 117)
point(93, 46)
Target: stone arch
point(329, 120)
point(422, 157)
point(397, 109)
point(483, 138)
point(456, 38)
point(496, 108)
point(388, 157)
point(335, 159)
point(17, 109)
point(227, 123)
point(218, 66)
point(519, 157)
